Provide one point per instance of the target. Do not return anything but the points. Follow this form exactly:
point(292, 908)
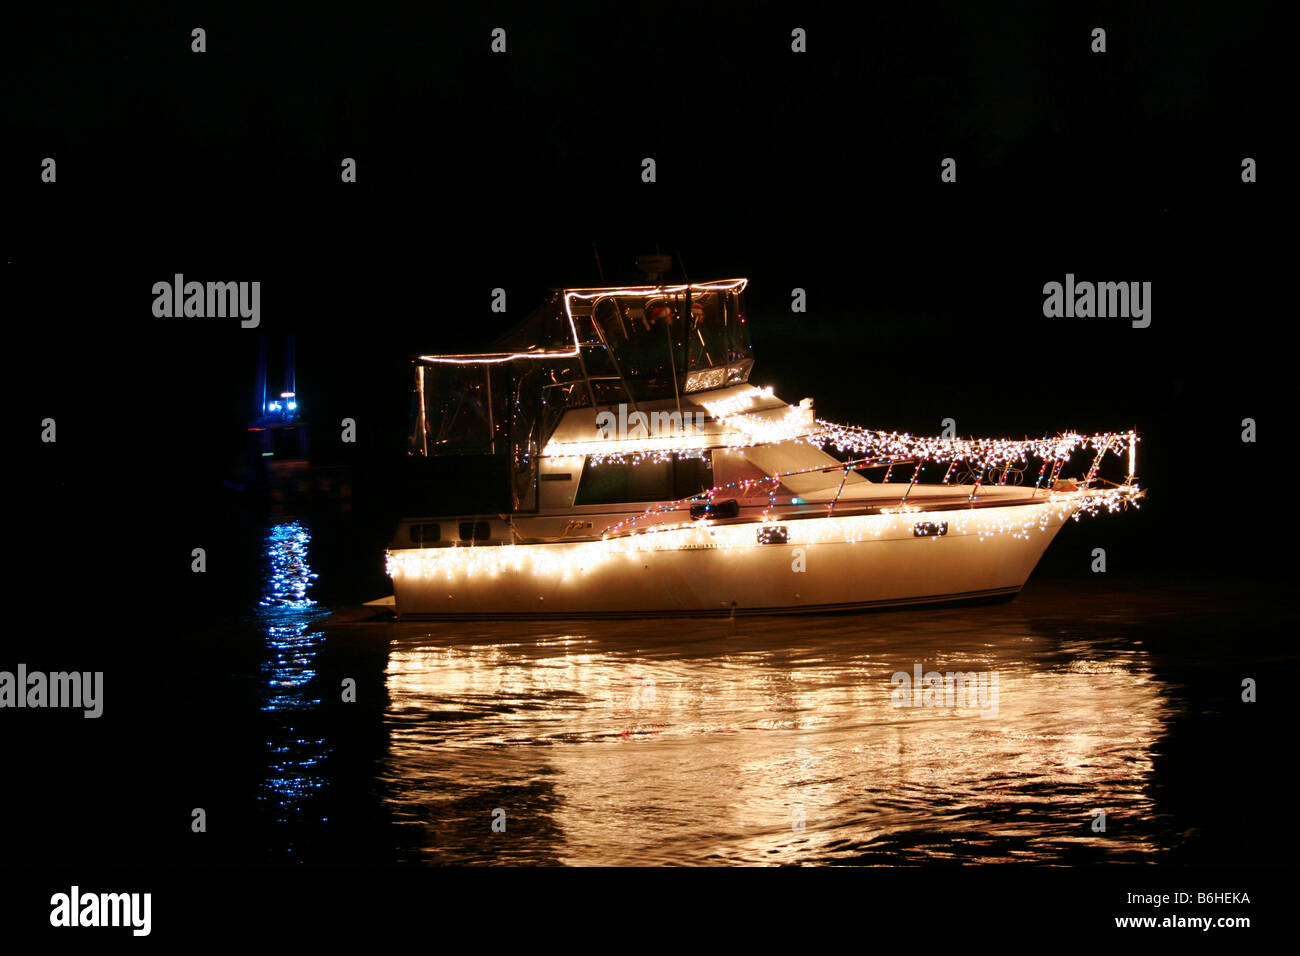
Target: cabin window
point(425, 534)
point(611, 483)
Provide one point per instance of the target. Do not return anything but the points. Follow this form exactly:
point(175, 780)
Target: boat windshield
point(662, 343)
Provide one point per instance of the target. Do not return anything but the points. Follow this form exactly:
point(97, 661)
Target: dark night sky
point(475, 171)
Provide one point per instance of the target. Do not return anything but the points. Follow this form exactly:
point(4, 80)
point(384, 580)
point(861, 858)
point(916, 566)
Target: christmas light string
point(744, 429)
point(568, 560)
point(996, 458)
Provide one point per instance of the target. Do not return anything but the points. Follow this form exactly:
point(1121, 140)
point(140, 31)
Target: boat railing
point(1001, 462)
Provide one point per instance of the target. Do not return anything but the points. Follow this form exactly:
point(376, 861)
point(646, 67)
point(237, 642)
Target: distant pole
point(686, 332)
point(259, 388)
point(289, 385)
point(599, 268)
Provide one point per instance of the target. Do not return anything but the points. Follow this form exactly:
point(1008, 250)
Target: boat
point(642, 473)
point(276, 461)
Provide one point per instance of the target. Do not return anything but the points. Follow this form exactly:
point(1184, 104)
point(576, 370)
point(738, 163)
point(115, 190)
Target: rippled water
point(713, 742)
point(290, 620)
point(761, 740)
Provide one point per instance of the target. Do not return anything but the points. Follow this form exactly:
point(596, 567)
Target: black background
point(818, 171)
point(476, 171)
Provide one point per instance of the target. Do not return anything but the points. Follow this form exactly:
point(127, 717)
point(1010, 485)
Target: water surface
point(777, 740)
point(772, 740)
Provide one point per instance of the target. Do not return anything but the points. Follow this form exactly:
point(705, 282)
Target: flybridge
point(584, 347)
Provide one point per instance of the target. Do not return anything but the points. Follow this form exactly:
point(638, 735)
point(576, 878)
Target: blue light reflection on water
point(289, 620)
point(290, 575)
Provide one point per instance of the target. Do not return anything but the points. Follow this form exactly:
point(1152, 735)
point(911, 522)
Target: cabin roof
point(716, 285)
point(583, 292)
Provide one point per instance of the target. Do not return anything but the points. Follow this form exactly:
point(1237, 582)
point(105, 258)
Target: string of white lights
point(740, 428)
point(570, 559)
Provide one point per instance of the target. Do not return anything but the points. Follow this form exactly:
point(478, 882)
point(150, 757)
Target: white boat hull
point(834, 563)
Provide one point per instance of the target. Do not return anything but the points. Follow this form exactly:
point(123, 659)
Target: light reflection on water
point(289, 620)
point(707, 741)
